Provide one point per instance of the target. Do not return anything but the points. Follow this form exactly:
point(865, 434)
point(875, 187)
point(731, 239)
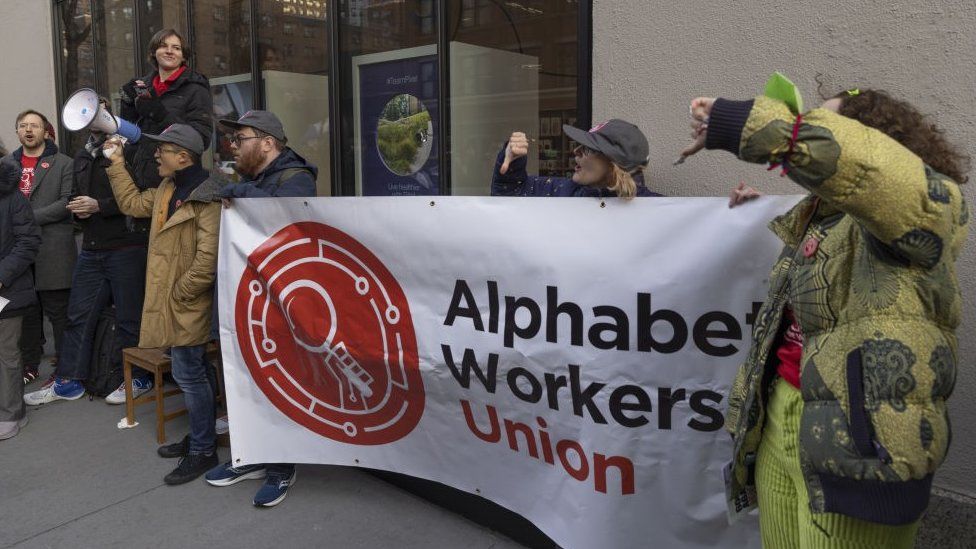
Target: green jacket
point(868, 268)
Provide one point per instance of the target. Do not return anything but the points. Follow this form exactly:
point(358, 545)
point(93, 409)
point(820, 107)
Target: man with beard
point(46, 182)
point(268, 168)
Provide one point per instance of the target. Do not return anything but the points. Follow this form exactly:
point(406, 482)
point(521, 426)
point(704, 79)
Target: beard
point(247, 164)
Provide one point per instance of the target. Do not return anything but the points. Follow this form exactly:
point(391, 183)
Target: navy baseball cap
point(265, 121)
point(618, 140)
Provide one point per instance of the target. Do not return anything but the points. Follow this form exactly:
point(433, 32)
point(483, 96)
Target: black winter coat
point(109, 228)
point(187, 101)
point(20, 238)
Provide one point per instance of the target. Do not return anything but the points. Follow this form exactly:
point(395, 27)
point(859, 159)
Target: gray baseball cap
point(265, 121)
point(179, 134)
point(620, 141)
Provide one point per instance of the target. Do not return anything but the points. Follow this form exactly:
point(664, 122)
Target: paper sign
point(780, 87)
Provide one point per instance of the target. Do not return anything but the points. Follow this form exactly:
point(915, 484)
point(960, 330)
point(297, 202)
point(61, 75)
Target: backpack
point(288, 173)
point(105, 367)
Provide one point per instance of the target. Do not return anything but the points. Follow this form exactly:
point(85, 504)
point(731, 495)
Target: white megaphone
point(82, 110)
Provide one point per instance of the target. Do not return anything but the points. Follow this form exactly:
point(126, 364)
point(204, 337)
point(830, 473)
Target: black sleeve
point(725, 124)
point(27, 240)
point(199, 114)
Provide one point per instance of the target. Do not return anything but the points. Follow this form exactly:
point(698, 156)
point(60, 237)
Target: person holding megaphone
point(610, 161)
point(110, 269)
point(171, 94)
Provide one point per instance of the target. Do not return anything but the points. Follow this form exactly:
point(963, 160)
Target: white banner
point(567, 359)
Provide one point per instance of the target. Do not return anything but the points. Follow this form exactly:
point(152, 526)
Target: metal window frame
point(444, 97)
point(335, 106)
point(59, 92)
point(584, 64)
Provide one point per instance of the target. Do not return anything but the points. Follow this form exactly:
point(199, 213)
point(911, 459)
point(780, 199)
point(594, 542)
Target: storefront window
point(115, 49)
point(293, 51)
point(509, 66)
point(513, 68)
point(222, 46)
point(77, 58)
point(156, 15)
point(389, 97)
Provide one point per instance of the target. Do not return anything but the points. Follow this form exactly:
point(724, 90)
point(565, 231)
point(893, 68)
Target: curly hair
point(904, 123)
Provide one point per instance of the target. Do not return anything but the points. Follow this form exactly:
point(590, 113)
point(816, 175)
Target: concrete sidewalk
point(72, 479)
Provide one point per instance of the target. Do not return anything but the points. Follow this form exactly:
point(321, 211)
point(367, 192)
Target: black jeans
point(52, 304)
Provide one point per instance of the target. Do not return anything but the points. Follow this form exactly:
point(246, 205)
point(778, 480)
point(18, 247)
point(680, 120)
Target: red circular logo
point(326, 333)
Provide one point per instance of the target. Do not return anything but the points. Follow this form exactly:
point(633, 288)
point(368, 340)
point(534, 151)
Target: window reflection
point(78, 56)
point(222, 48)
point(116, 51)
point(388, 49)
point(513, 68)
point(293, 51)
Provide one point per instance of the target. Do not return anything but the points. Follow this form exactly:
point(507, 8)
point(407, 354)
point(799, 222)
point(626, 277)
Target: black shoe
point(175, 450)
point(191, 467)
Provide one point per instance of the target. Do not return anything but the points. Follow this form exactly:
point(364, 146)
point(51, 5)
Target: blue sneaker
point(275, 488)
point(225, 474)
point(61, 389)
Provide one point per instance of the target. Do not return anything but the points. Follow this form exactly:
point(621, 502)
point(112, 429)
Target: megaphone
point(82, 110)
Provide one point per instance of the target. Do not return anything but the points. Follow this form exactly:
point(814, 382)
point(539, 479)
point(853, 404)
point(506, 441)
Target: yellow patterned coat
point(868, 269)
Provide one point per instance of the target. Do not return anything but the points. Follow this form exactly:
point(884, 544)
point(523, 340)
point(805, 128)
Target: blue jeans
point(195, 377)
point(102, 277)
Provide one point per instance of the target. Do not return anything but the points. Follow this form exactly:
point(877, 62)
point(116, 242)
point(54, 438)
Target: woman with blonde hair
point(610, 161)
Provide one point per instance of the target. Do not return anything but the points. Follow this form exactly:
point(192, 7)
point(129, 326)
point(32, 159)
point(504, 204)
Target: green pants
point(785, 520)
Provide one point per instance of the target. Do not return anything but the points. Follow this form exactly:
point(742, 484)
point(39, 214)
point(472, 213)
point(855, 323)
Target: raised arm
point(906, 206)
point(130, 200)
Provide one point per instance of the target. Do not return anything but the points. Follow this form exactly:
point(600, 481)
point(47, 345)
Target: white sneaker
point(9, 429)
point(139, 388)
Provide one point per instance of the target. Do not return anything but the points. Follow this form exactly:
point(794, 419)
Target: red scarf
point(162, 86)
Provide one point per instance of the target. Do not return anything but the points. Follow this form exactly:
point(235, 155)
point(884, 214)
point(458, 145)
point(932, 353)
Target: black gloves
point(149, 106)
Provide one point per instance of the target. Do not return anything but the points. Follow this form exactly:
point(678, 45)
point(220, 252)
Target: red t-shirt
point(27, 165)
point(790, 351)
point(162, 86)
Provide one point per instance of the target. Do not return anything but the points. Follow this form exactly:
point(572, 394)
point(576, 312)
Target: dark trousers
point(283, 469)
point(197, 380)
point(100, 278)
point(11, 383)
point(52, 304)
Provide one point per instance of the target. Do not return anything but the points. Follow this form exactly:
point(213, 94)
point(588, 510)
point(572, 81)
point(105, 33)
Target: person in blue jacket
point(268, 167)
point(610, 161)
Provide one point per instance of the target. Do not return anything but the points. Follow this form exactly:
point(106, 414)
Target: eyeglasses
point(161, 149)
point(26, 126)
point(582, 150)
point(235, 140)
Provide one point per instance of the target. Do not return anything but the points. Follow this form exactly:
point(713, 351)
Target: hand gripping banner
point(568, 359)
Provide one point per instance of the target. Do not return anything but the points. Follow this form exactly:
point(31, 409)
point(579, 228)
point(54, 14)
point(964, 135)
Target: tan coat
point(182, 260)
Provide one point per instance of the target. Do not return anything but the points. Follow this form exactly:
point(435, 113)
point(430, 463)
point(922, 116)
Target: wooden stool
point(155, 362)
